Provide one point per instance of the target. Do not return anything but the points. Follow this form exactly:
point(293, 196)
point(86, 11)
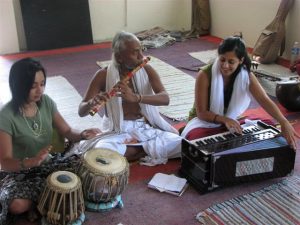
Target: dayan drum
point(62, 201)
point(104, 174)
point(288, 94)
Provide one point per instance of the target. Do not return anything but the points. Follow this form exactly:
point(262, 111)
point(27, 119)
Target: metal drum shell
point(288, 95)
point(101, 184)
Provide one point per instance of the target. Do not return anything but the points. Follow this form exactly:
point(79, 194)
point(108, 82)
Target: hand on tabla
point(90, 133)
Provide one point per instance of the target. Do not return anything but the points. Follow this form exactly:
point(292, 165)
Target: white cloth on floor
point(239, 101)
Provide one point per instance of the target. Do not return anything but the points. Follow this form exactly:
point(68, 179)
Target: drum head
point(63, 180)
point(105, 161)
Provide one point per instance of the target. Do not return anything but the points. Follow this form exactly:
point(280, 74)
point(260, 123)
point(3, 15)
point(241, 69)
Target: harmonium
point(259, 153)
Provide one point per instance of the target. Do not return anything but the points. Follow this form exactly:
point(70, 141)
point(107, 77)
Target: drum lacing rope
point(51, 194)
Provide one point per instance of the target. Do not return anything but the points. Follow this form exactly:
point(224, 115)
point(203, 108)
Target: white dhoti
point(159, 145)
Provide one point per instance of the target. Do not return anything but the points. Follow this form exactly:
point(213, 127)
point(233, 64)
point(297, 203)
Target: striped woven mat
point(179, 85)
point(277, 204)
point(207, 56)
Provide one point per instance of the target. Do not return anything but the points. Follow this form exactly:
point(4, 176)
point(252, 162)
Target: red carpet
point(260, 113)
point(139, 173)
point(57, 51)
point(143, 205)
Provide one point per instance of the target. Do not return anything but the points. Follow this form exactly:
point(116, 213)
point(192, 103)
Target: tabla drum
point(104, 174)
point(61, 201)
point(288, 94)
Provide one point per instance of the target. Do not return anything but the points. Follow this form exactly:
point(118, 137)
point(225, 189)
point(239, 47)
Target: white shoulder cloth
point(239, 101)
point(114, 119)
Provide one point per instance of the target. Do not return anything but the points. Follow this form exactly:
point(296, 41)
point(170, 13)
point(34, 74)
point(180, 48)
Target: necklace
point(36, 126)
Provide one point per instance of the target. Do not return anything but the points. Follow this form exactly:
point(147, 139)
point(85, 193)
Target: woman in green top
point(26, 126)
point(223, 92)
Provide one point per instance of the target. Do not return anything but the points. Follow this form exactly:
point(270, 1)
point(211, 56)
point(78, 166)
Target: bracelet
point(81, 135)
point(139, 98)
point(215, 118)
point(22, 165)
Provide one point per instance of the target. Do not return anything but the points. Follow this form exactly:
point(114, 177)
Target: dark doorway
point(51, 24)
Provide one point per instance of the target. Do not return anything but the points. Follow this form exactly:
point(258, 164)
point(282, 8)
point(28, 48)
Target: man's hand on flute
point(122, 90)
point(99, 99)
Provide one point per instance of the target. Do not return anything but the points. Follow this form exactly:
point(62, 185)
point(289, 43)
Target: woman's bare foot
point(134, 153)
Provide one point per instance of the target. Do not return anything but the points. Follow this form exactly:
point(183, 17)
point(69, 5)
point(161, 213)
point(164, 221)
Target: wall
point(8, 32)
point(251, 17)
point(109, 16)
point(137, 15)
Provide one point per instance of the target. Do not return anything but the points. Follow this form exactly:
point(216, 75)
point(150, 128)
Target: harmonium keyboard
point(259, 153)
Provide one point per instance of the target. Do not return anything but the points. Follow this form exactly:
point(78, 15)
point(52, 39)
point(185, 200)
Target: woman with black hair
point(26, 126)
point(223, 92)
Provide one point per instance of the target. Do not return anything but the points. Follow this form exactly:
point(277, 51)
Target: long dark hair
point(21, 78)
point(237, 45)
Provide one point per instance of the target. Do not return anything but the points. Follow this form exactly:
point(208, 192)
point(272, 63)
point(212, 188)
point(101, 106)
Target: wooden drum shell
point(62, 203)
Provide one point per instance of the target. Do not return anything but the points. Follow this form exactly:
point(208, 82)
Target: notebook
point(170, 184)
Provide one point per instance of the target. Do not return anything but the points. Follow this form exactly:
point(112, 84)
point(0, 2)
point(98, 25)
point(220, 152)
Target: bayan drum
point(288, 94)
point(62, 202)
point(104, 174)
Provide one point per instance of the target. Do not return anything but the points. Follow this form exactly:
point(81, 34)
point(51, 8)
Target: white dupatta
point(239, 101)
point(114, 119)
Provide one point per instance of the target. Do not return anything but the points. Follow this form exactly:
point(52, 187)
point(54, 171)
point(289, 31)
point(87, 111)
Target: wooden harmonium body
point(226, 159)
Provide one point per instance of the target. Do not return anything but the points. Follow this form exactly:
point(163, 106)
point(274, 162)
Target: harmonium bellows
point(259, 153)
